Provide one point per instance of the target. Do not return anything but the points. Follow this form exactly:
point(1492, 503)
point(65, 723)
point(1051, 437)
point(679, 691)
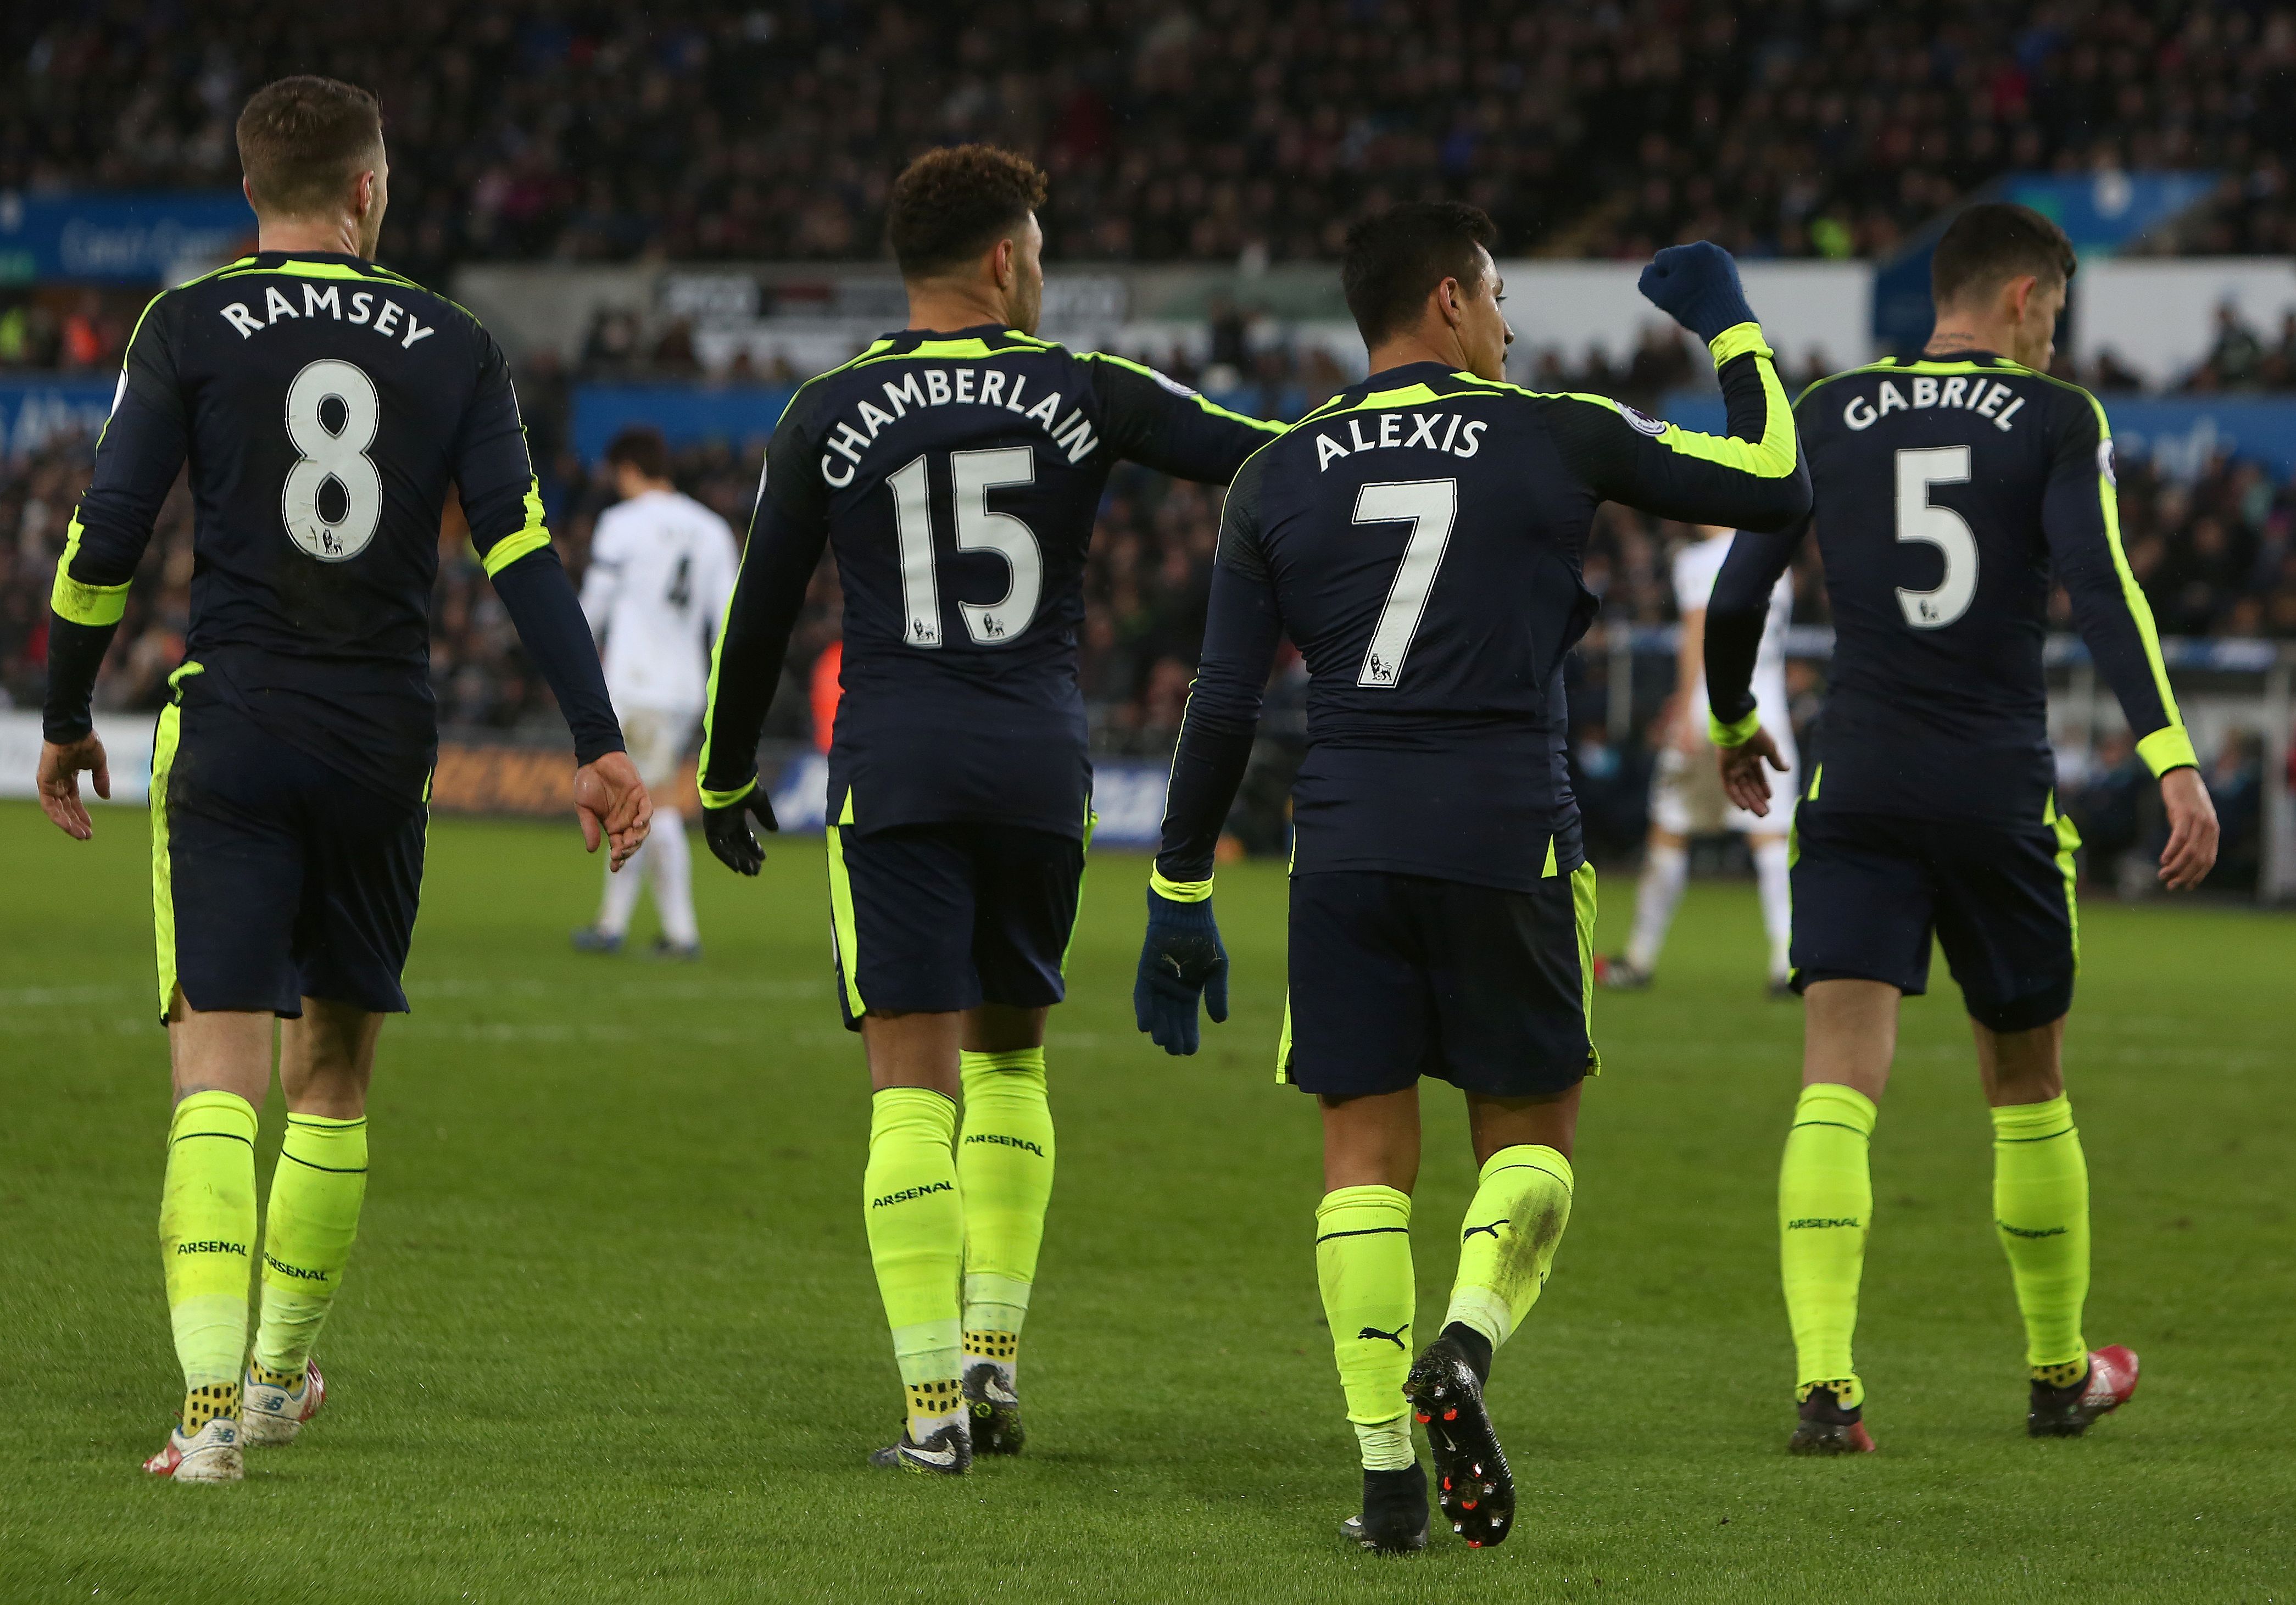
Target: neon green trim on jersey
point(726, 799)
point(533, 537)
point(2170, 746)
point(184, 671)
point(163, 868)
point(1738, 340)
point(1284, 1044)
point(1817, 778)
point(81, 604)
point(1179, 891)
point(1091, 823)
point(1774, 456)
point(1583, 904)
point(1735, 733)
point(1202, 400)
point(303, 270)
point(841, 922)
point(1549, 870)
point(2068, 843)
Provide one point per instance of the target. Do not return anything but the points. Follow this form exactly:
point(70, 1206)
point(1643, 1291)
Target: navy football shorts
point(937, 918)
point(1869, 889)
point(1395, 977)
point(273, 878)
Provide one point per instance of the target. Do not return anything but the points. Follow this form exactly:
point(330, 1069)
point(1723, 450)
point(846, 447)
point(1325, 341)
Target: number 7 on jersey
point(1430, 506)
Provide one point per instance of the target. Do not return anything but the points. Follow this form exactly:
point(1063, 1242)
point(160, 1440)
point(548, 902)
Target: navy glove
point(1180, 958)
point(728, 831)
point(1697, 285)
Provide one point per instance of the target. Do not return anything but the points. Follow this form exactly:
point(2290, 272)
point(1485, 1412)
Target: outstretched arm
point(2080, 515)
point(1181, 958)
point(787, 534)
point(503, 502)
point(1736, 616)
point(136, 459)
point(1163, 425)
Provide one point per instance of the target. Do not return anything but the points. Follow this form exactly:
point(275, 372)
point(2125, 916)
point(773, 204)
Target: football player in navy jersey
point(1421, 538)
point(325, 405)
point(953, 469)
point(1952, 491)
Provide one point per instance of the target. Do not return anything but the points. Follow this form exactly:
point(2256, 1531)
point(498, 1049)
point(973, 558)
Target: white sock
point(1665, 869)
point(1771, 870)
point(669, 866)
point(622, 893)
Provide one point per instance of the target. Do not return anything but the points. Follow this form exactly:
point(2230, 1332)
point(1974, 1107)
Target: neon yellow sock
point(1004, 1174)
point(2040, 1210)
point(307, 1231)
point(1363, 1263)
point(916, 1240)
point(1825, 1211)
point(206, 1237)
point(1507, 1241)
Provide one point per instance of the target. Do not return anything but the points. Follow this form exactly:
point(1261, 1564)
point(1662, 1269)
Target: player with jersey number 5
point(1952, 491)
point(1421, 538)
point(325, 405)
point(954, 468)
point(662, 566)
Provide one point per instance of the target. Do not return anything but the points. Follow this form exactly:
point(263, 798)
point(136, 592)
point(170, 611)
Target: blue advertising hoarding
point(36, 408)
point(96, 238)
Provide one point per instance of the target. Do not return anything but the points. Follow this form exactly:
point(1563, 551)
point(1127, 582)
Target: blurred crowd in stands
point(2216, 552)
point(1209, 130)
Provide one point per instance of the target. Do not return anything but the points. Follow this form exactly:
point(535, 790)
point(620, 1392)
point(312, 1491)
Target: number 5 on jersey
point(972, 475)
point(1430, 506)
point(1918, 469)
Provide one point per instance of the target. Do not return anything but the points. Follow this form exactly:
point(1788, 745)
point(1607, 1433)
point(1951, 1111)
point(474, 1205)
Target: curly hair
point(950, 205)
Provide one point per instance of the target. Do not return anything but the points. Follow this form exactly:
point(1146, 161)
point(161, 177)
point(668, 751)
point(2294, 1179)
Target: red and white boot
point(2067, 1412)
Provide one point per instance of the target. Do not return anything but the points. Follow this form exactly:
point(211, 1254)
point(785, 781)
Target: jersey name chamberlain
point(330, 302)
point(922, 388)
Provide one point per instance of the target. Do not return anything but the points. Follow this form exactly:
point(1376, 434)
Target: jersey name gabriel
point(1937, 487)
point(957, 479)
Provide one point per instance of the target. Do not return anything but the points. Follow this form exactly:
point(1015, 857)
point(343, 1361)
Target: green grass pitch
point(611, 1332)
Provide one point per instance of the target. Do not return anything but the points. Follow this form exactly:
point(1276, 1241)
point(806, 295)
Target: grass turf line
point(609, 1332)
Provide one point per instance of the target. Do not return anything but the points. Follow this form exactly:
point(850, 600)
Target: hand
point(2191, 850)
point(1180, 958)
point(58, 783)
point(727, 831)
point(1697, 285)
point(1742, 780)
point(610, 800)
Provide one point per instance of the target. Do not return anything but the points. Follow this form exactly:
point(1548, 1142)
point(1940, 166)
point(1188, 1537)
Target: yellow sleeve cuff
point(726, 800)
point(1179, 891)
point(1735, 733)
point(2170, 746)
point(86, 605)
point(1738, 340)
point(508, 550)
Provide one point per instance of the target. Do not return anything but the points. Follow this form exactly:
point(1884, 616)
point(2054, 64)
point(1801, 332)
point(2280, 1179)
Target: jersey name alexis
point(1971, 392)
point(1436, 431)
point(965, 386)
point(329, 301)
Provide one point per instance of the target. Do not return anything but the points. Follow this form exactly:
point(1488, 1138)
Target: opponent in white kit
point(1686, 798)
point(662, 566)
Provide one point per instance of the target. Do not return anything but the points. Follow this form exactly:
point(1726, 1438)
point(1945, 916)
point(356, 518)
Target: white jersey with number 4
point(662, 566)
point(1696, 568)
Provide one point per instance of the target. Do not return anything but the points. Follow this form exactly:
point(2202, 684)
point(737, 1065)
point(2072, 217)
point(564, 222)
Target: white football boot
point(274, 1415)
point(210, 1454)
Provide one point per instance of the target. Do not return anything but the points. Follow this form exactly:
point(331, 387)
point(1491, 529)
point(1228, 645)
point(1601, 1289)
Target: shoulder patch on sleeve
point(1642, 420)
point(2105, 461)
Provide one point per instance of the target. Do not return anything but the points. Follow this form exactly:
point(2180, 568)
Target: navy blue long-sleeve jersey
point(1948, 494)
point(1422, 535)
point(325, 405)
point(956, 477)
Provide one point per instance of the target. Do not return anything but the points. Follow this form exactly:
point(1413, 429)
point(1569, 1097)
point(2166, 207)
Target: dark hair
point(641, 447)
point(1396, 258)
point(1994, 242)
point(302, 140)
point(950, 205)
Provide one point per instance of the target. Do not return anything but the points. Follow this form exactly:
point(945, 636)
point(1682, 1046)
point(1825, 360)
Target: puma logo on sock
point(1394, 1337)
